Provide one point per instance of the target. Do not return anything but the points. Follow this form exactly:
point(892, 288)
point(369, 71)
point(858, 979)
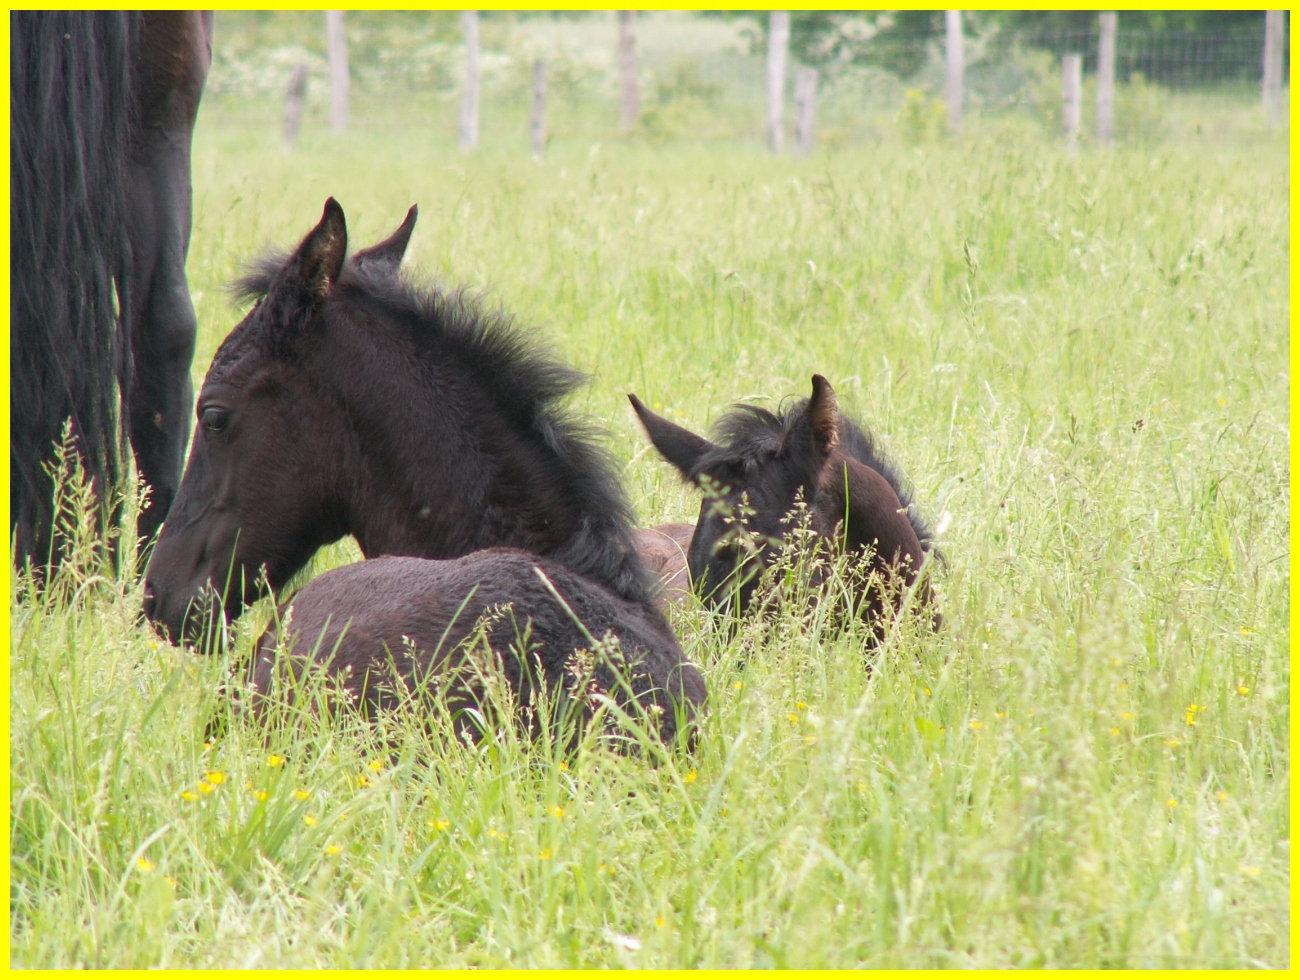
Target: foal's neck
point(452, 473)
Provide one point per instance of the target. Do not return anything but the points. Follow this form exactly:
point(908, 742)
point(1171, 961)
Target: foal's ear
point(823, 415)
point(319, 258)
point(681, 447)
point(812, 437)
point(306, 279)
point(392, 249)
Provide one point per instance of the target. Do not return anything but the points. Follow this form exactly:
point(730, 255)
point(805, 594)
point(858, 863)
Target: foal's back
point(391, 625)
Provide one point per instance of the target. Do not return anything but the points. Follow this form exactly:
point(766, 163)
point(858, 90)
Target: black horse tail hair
point(70, 104)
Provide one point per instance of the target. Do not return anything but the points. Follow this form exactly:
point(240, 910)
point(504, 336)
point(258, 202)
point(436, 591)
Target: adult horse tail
point(70, 104)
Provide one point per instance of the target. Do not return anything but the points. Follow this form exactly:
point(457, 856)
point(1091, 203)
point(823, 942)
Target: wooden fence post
point(1273, 66)
point(630, 107)
point(337, 43)
point(469, 98)
point(294, 100)
point(805, 106)
point(954, 90)
point(537, 126)
point(1108, 23)
point(778, 43)
point(1072, 96)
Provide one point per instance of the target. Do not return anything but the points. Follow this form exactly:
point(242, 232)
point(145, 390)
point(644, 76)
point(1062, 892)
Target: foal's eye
point(214, 420)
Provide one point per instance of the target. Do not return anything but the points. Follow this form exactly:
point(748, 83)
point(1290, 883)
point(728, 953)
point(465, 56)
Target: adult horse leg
point(175, 52)
point(70, 90)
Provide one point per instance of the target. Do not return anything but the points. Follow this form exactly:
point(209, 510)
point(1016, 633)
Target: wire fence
point(704, 78)
point(1178, 60)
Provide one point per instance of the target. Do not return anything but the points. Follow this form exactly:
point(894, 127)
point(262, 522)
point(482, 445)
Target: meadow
point(1081, 362)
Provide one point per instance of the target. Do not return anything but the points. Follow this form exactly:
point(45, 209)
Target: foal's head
point(350, 401)
point(752, 480)
point(257, 495)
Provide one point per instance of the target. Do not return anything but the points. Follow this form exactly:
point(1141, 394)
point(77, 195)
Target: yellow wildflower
point(215, 778)
point(170, 880)
point(1246, 631)
point(545, 854)
point(333, 849)
point(260, 795)
point(1171, 802)
point(659, 921)
point(363, 781)
point(1221, 795)
point(144, 864)
point(189, 796)
point(376, 765)
point(439, 824)
point(738, 685)
point(275, 761)
point(302, 794)
point(977, 725)
point(800, 705)
point(1114, 730)
point(792, 717)
point(1127, 716)
point(563, 766)
point(309, 820)
point(690, 776)
point(1171, 742)
point(206, 787)
point(557, 812)
point(1243, 690)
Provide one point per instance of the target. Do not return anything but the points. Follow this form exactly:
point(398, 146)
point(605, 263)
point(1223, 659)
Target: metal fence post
point(337, 43)
point(294, 100)
point(1072, 95)
point(1273, 66)
point(631, 107)
point(805, 108)
point(1109, 23)
point(537, 125)
point(778, 43)
point(469, 98)
point(954, 89)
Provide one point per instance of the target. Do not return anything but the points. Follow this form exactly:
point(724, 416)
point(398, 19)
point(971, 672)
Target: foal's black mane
point(527, 379)
point(747, 435)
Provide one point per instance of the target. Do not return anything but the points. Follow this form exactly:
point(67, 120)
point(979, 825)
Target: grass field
point(1084, 361)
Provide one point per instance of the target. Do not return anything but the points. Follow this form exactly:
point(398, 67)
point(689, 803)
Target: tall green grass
point(1083, 360)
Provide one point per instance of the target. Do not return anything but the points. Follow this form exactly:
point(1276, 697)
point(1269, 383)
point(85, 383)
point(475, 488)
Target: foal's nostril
point(150, 603)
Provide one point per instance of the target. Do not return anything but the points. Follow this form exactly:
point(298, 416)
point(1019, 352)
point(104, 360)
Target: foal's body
point(366, 617)
point(350, 402)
